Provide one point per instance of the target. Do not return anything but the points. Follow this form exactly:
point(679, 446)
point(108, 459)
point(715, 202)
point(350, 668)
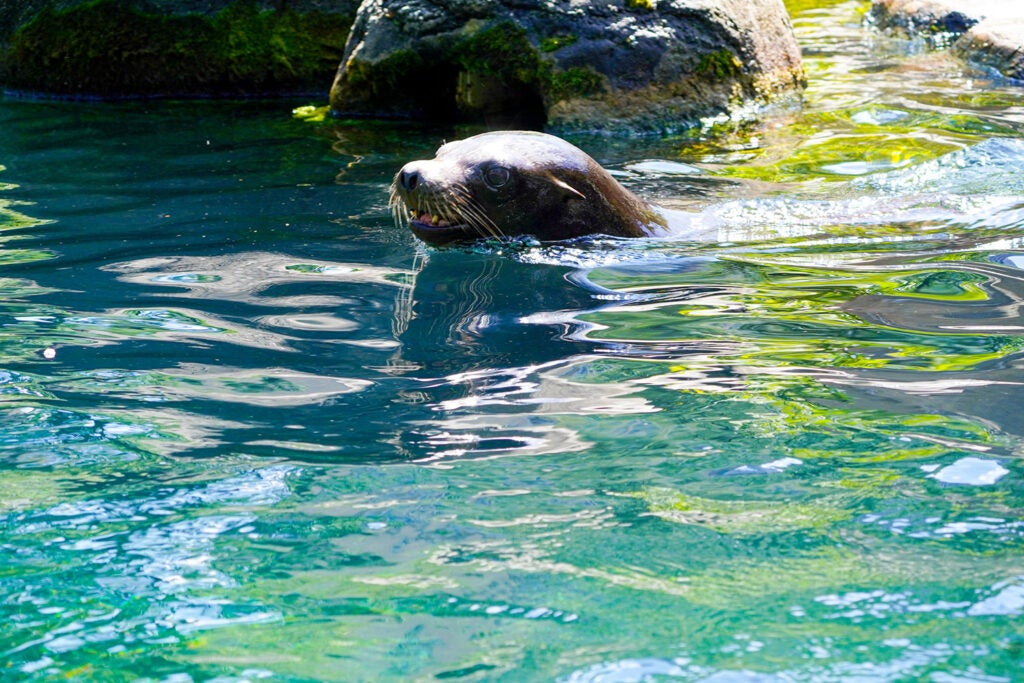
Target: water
point(253, 431)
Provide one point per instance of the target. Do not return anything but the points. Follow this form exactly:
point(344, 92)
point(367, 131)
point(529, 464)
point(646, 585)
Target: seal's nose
point(409, 178)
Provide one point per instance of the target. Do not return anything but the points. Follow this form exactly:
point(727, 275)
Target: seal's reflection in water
point(465, 312)
point(495, 343)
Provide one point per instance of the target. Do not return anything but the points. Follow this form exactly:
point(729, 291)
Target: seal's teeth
point(435, 220)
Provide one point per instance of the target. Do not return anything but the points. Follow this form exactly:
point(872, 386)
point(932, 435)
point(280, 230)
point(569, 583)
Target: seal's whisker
point(484, 217)
point(472, 210)
point(452, 206)
point(471, 216)
point(455, 204)
point(480, 221)
point(399, 209)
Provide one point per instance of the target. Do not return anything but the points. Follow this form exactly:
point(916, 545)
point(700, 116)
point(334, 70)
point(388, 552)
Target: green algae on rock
point(627, 66)
point(113, 48)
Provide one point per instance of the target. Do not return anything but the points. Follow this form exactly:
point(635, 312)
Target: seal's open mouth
point(439, 218)
point(437, 229)
point(430, 221)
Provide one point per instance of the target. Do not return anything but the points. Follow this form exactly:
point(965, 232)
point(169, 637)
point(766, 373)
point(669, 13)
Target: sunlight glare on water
point(251, 430)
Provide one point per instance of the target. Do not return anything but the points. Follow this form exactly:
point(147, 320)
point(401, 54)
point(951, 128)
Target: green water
point(251, 430)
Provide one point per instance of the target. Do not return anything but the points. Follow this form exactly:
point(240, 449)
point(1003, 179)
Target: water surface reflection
point(250, 429)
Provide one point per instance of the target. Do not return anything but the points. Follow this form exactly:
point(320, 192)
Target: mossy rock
point(475, 76)
point(110, 48)
point(651, 65)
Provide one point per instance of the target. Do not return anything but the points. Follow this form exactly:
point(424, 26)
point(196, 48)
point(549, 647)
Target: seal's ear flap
point(568, 190)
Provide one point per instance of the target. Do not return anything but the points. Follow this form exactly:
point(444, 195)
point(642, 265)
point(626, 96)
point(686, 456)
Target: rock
point(127, 48)
point(989, 33)
point(997, 45)
point(650, 65)
point(927, 18)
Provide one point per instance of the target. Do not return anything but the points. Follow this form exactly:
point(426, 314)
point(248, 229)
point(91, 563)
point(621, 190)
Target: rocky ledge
point(144, 48)
point(989, 33)
point(636, 65)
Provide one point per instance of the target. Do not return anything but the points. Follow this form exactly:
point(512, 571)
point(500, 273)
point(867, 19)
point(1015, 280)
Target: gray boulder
point(989, 33)
point(644, 65)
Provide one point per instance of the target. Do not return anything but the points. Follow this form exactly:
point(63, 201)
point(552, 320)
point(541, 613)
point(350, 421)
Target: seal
point(512, 183)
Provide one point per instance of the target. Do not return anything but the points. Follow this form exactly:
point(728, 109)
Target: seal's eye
point(497, 176)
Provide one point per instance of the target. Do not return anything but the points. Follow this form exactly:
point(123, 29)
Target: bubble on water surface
point(504, 609)
point(662, 167)
point(971, 471)
point(265, 486)
point(626, 671)
point(768, 467)
point(315, 322)
point(939, 527)
point(185, 278)
point(879, 116)
point(1008, 601)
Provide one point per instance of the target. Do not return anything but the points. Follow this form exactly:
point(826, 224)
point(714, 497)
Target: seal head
point(505, 184)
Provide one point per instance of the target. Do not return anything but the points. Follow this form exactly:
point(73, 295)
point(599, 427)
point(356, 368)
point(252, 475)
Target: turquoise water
point(253, 431)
